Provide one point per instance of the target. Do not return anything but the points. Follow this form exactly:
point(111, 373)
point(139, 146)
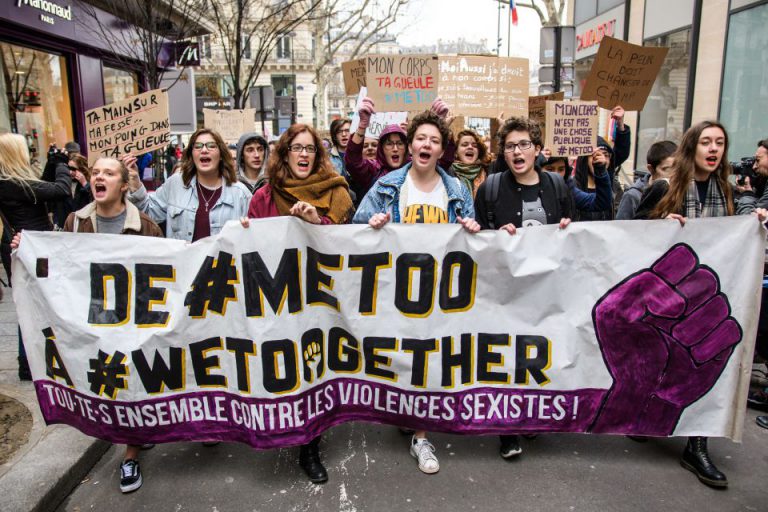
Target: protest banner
point(230, 124)
point(354, 76)
point(571, 127)
point(135, 125)
point(379, 120)
point(484, 86)
point(537, 106)
point(271, 335)
point(623, 74)
point(402, 82)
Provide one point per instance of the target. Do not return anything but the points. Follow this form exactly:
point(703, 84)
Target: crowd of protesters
point(416, 173)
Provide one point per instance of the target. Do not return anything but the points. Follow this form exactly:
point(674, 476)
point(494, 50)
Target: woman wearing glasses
point(304, 184)
point(199, 200)
point(519, 196)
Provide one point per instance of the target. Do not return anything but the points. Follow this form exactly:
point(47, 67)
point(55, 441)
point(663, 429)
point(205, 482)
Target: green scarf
point(467, 173)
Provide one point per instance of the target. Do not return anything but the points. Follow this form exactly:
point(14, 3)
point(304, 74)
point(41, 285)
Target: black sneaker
point(510, 446)
point(130, 476)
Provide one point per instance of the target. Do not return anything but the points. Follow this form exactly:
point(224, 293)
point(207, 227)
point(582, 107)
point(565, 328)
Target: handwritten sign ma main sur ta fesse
point(135, 125)
point(230, 124)
point(402, 83)
point(623, 74)
point(484, 86)
point(571, 127)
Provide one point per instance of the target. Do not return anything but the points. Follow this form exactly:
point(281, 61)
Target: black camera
point(744, 169)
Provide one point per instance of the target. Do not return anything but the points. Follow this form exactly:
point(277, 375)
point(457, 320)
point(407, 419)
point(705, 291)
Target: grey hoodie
point(244, 140)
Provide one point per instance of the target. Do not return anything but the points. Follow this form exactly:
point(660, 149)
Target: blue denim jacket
point(384, 197)
point(176, 205)
point(337, 159)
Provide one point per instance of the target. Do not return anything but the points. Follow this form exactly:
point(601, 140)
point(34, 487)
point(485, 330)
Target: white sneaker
point(424, 452)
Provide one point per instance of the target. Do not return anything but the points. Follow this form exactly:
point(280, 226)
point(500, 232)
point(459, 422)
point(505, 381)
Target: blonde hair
point(14, 160)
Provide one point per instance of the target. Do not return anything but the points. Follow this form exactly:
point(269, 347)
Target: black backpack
point(493, 182)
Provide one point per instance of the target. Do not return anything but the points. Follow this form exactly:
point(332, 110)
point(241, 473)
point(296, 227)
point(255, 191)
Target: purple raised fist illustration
point(666, 334)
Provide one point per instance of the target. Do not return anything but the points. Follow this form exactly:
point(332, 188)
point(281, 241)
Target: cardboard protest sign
point(135, 125)
point(537, 106)
point(399, 83)
point(571, 127)
point(484, 86)
point(623, 74)
point(379, 120)
point(354, 75)
point(269, 335)
point(230, 124)
point(457, 125)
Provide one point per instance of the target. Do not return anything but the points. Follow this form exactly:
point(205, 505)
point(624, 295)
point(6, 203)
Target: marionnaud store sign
point(49, 10)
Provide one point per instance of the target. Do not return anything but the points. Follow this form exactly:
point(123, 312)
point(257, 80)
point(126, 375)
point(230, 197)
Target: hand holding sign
point(366, 110)
point(666, 334)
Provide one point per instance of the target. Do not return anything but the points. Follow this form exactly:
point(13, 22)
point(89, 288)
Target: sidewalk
point(54, 460)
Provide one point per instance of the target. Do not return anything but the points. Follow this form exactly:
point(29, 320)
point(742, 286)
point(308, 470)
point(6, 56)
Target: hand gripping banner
point(271, 335)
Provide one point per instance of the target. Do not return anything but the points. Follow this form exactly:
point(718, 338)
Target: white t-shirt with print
point(418, 207)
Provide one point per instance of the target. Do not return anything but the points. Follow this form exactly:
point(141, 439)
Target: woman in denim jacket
point(420, 193)
point(199, 200)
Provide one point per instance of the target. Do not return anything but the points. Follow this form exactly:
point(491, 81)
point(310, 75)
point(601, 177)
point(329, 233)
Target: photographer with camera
point(752, 179)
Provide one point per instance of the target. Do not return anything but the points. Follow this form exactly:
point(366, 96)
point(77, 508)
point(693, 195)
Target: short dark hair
point(660, 151)
point(429, 117)
point(763, 144)
point(520, 124)
point(336, 125)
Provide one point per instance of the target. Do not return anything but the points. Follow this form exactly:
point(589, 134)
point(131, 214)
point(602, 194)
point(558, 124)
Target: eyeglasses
point(394, 144)
point(298, 148)
point(210, 145)
point(523, 145)
point(73, 168)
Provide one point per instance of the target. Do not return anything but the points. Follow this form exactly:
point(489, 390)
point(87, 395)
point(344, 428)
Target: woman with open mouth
point(391, 153)
point(421, 192)
point(304, 184)
point(698, 187)
point(472, 160)
point(199, 200)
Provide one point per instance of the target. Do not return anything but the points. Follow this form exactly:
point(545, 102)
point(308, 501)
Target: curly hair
point(482, 150)
point(429, 117)
point(226, 162)
point(277, 168)
point(520, 124)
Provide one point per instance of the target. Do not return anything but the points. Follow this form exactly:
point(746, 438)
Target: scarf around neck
point(325, 190)
point(467, 173)
point(714, 203)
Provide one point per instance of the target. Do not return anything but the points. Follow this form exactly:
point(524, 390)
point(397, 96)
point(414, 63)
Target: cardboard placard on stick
point(571, 127)
point(402, 83)
point(537, 106)
point(379, 120)
point(484, 86)
point(623, 74)
point(230, 124)
point(135, 125)
point(354, 75)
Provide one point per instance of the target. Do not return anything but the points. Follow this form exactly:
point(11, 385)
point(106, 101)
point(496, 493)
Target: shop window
point(119, 84)
point(744, 94)
point(35, 98)
point(663, 117)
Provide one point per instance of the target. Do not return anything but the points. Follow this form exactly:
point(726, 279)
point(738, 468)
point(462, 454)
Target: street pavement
point(371, 469)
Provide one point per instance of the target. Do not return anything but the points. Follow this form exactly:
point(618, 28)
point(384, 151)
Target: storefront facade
point(716, 68)
point(53, 71)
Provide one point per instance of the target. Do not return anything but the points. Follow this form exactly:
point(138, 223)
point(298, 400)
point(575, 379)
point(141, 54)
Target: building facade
point(55, 67)
point(716, 68)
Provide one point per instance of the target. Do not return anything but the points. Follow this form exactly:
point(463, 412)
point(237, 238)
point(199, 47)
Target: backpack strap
point(492, 185)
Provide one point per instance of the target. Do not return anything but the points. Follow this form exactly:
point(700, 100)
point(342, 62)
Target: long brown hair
point(81, 163)
point(226, 163)
point(684, 168)
point(278, 169)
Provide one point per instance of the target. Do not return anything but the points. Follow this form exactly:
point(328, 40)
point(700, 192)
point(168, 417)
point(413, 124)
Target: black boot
point(24, 373)
point(696, 459)
point(309, 460)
